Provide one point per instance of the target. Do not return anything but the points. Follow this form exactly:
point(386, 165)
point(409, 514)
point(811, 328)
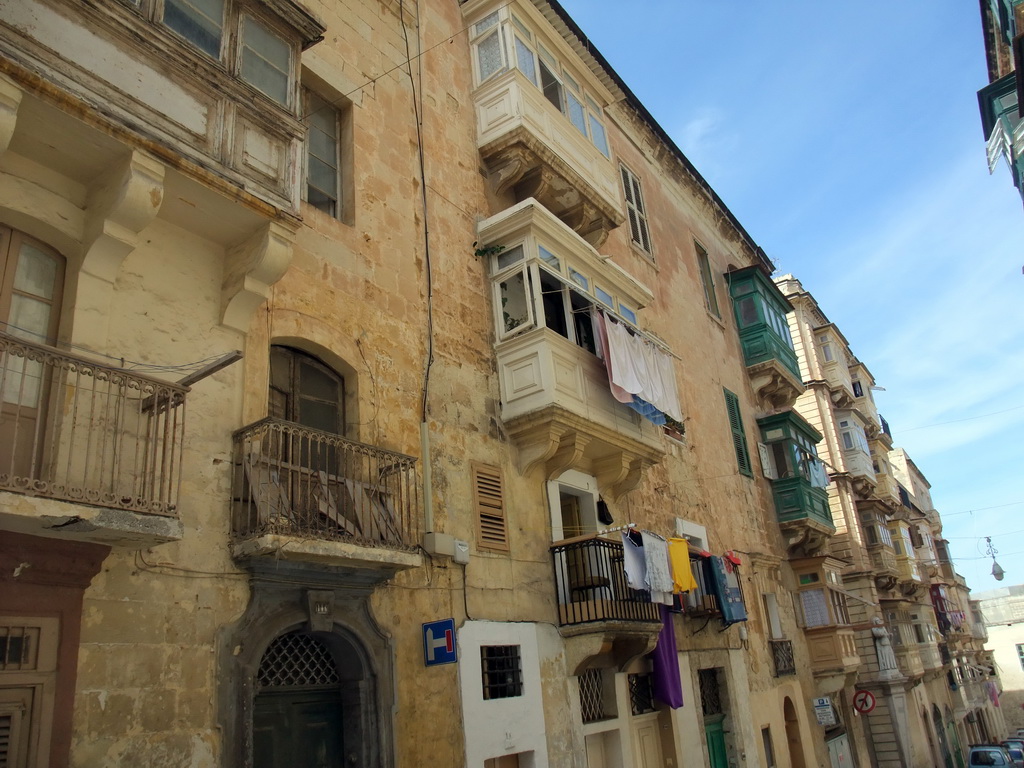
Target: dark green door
point(297, 730)
point(715, 735)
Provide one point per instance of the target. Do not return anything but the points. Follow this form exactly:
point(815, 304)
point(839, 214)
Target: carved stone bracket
point(805, 538)
point(121, 205)
point(774, 384)
point(559, 441)
point(250, 269)
point(10, 100)
point(607, 644)
point(522, 164)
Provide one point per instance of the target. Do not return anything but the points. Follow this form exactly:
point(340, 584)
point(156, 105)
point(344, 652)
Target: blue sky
point(846, 139)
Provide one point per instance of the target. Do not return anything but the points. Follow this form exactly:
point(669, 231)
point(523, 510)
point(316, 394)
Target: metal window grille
point(297, 659)
point(782, 657)
point(592, 695)
point(502, 671)
point(18, 648)
point(710, 692)
point(641, 695)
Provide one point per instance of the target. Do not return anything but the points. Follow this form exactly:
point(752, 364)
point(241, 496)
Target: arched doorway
point(940, 732)
point(307, 703)
point(796, 751)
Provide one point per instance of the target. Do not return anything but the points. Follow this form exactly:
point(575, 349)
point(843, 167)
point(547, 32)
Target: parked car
point(990, 755)
point(1016, 749)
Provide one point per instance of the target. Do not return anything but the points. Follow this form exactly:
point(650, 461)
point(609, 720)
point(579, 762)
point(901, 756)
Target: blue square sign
point(439, 643)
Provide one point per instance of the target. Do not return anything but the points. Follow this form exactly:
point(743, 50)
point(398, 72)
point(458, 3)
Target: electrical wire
point(409, 59)
point(125, 363)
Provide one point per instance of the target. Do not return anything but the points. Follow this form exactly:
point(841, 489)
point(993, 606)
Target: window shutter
point(488, 496)
point(739, 437)
point(767, 467)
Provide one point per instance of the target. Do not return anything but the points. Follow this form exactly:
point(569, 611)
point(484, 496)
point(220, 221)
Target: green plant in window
point(489, 250)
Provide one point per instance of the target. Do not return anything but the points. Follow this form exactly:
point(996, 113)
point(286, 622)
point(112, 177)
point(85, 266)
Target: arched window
point(306, 391)
point(31, 279)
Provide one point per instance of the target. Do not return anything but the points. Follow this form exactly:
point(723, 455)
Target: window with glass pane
point(516, 307)
point(31, 278)
point(525, 60)
point(322, 157)
point(201, 22)
point(266, 61)
point(490, 55)
point(597, 133)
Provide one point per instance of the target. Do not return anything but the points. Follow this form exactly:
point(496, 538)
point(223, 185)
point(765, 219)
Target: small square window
point(502, 672)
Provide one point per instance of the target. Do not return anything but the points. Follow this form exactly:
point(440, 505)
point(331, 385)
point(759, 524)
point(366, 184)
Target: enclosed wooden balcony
point(309, 496)
point(931, 658)
point(833, 650)
point(87, 451)
point(173, 84)
point(591, 586)
point(909, 659)
point(760, 310)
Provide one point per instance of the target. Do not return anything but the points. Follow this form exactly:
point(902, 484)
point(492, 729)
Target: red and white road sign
point(863, 701)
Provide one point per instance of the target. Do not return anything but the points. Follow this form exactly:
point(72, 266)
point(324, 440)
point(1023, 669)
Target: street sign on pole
point(824, 712)
point(863, 701)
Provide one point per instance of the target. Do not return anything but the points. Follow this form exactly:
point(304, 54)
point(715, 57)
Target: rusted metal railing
point(591, 583)
point(76, 430)
point(295, 481)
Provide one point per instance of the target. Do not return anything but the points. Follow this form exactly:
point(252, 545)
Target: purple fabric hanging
point(665, 675)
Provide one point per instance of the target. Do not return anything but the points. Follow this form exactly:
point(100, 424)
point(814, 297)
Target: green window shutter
point(739, 437)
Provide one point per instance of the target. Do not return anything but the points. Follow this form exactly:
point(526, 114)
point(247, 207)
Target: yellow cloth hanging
point(682, 574)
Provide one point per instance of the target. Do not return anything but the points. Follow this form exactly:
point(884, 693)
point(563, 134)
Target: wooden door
point(715, 735)
point(298, 730)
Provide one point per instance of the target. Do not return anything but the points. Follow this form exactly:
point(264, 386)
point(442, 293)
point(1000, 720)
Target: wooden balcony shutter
point(739, 437)
point(488, 496)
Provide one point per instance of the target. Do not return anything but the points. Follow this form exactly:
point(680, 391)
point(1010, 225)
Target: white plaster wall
point(1002, 641)
point(502, 726)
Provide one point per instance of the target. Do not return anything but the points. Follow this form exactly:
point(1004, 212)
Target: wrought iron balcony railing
point(591, 584)
point(75, 430)
point(782, 657)
point(291, 480)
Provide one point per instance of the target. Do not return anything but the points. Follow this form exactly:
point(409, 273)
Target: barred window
point(502, 671)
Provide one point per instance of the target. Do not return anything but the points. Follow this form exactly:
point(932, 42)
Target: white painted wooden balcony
point(557, 406)
point(530, 147)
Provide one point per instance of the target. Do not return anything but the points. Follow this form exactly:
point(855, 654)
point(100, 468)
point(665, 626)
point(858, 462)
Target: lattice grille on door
point(710, 693)
point(297, 659)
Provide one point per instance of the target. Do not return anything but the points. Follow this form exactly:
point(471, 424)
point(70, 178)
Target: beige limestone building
point(341, 343)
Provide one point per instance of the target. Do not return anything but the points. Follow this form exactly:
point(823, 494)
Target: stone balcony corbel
point(120, 206)
point(251, 268)
point(10, 101)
